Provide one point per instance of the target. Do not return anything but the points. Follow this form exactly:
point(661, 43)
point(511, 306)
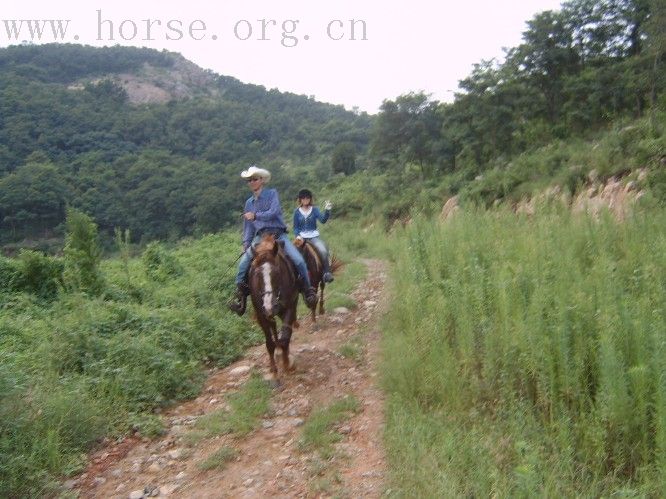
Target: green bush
point(79, 367)
point(656, 181)
point(651, 151)
point(38, 274)
point(147, 375)
point(32, 272)
point(8, 274)
point(159, 264)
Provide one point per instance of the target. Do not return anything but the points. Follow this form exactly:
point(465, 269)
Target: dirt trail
point(269, 462)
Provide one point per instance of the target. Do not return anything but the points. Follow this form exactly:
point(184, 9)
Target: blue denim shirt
point(267, 212)
point(309, 223)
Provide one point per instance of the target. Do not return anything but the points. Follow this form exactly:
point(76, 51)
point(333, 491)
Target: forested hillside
point(71, 131)
point(70, 135)
point(585, 90)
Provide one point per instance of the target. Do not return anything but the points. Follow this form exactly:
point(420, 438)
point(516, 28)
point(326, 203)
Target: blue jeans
point(321, 248)
point(289, 248)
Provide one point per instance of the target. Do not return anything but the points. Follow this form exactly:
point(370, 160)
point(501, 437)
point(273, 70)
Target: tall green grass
point(527, 356)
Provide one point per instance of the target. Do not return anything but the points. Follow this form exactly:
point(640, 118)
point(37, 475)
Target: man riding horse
point(263, 215)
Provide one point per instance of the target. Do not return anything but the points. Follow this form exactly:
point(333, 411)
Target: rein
point(231, 266)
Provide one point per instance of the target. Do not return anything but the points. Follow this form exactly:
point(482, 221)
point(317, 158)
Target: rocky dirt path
point(338, 360)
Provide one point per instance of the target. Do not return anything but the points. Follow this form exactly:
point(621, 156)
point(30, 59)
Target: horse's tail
point(336, 264)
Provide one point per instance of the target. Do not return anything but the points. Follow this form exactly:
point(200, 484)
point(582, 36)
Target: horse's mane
point(265, 250)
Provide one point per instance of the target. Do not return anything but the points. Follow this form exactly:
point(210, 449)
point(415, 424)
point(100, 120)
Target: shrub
point(38, 274)
point(160, 264)
point(8, 274)
point(656, 181)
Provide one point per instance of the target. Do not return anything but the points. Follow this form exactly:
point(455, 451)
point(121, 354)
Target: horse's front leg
point(269, 334)
point(284, 338)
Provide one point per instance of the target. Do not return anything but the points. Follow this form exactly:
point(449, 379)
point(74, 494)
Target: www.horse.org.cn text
point(288, 33)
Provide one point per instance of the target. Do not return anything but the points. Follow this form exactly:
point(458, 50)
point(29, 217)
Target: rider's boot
point(310, 297)
point(327, 276)
point(239, 302)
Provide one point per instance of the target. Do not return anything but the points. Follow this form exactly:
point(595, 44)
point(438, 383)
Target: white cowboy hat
point(255, 171)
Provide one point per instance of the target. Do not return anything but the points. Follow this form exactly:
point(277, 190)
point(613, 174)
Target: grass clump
point(218, 459)
point(147, 425)
point(319, 430)
point(245, 410)
point(353, 349)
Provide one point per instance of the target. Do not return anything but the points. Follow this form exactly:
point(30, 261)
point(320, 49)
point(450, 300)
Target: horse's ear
point(276, 247)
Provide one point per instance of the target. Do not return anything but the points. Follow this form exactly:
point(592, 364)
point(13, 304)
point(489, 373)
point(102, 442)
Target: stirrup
point(237, 306)
point(238, 303)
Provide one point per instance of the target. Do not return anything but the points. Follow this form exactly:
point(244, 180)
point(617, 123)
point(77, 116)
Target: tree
point(213, 209)
point(107, 90)
point(606, 28)
point(656, 44)
point(343, 158)
point(406, 131)
point(82, 254)
point(546, 56)
point(32, 199)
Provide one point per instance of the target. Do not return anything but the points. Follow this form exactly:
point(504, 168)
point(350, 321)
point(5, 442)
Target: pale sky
point(417, 45)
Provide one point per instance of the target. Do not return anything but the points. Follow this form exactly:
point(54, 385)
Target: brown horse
point(316, 271)
point(274, 292)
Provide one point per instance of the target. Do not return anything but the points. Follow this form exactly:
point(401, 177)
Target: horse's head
point(264, 284)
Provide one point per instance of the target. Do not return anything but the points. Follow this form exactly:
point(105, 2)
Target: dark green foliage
point(65, 63)
point(107, 90)
point(406, 130)
point(343, 159)
point(32, 199)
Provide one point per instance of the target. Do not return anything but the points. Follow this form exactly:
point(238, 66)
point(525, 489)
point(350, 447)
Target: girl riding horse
point(305, 227)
